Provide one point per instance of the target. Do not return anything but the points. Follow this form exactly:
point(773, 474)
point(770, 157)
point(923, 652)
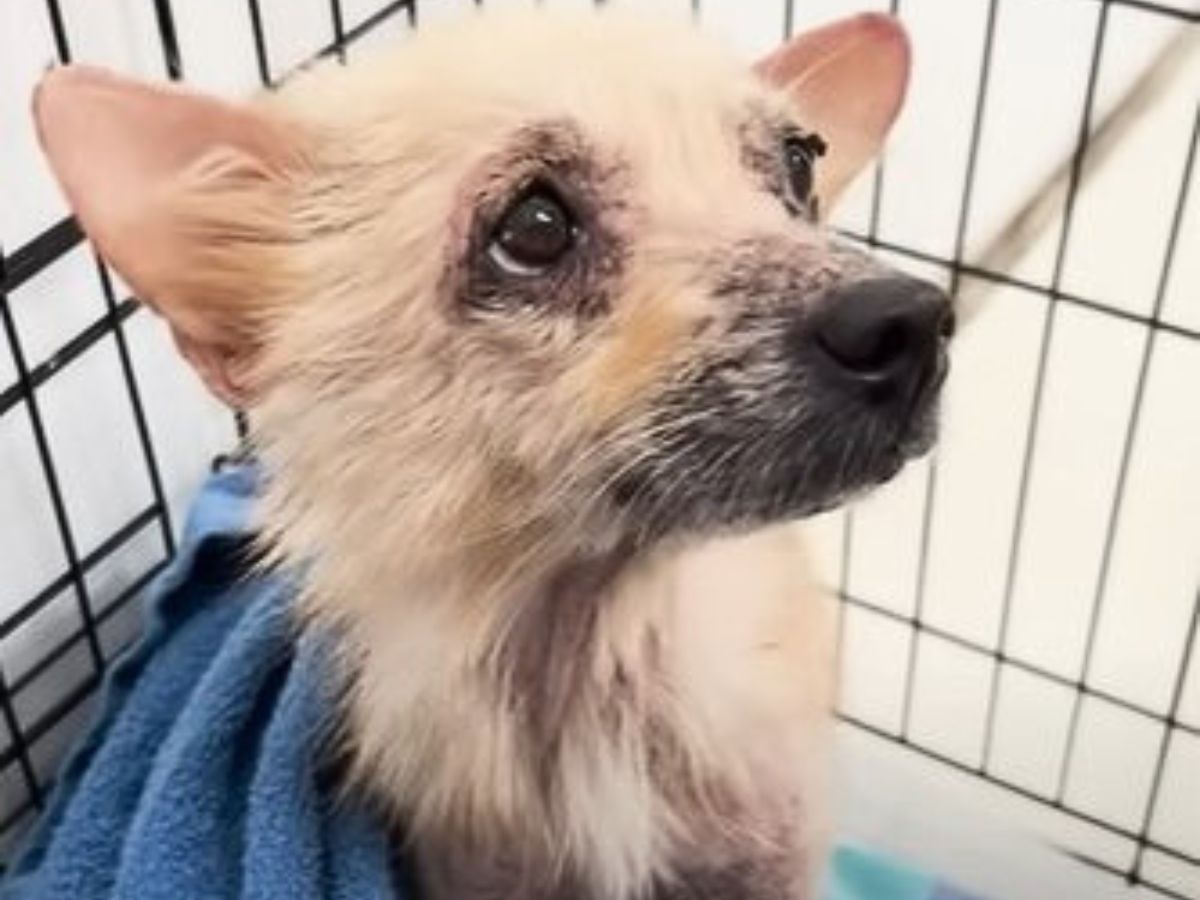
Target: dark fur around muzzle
point(823, 383)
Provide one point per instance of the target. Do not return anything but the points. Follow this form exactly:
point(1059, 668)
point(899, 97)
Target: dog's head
point(528, 271)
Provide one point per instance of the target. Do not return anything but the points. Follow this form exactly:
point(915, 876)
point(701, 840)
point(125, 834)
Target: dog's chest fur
point(657, 735)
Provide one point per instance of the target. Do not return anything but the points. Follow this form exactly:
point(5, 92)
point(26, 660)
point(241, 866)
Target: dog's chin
point(794, 482)
point(886, 465)
point(876, 464)
point(878, 448)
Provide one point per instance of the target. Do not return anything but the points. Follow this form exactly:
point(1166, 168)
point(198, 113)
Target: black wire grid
point(19, 738)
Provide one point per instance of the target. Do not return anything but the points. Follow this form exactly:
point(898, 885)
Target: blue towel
point(202, 777)
point(862, 873)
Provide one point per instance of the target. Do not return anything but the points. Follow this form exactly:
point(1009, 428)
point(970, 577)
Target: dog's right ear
point(185, 196)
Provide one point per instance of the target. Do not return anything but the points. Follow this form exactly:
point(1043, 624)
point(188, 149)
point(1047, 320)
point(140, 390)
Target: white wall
point(1091, 375)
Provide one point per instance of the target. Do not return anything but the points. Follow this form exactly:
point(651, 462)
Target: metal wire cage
point(1041, 714)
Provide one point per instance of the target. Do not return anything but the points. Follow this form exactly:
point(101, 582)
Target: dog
point(544, 343)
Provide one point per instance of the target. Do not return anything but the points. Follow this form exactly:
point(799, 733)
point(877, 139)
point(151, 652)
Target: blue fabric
point(856, 873)
point(200, 777)
point(861, 873)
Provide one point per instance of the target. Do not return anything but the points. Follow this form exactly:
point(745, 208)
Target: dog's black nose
point(882, 332)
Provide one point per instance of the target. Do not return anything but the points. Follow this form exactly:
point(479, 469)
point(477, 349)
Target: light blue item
point(858, 873)
point(202, 777)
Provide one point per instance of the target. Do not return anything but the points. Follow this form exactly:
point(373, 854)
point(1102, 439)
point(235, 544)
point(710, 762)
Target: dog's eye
point(534, 234)
point(800, 154)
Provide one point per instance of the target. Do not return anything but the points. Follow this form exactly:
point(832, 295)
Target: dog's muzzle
point(818, 401)
point(880, 342)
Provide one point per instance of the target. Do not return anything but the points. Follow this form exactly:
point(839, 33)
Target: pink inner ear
point(120, 149)
point(818, 53)
point(846, 80)
point(114, 144)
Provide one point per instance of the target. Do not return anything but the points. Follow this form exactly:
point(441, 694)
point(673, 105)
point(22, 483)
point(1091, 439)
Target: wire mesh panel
point(1039, 630)
point(103, 437)
point(1021, 608)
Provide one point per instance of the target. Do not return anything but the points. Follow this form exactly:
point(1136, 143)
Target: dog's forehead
point(611, 51)
point(629, 77)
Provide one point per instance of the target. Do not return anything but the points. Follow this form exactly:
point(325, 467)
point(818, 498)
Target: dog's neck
point(608, 694)
point(538, 684)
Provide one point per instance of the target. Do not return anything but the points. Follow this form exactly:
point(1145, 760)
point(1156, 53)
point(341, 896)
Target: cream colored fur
point(432, 477)
point(434, 481)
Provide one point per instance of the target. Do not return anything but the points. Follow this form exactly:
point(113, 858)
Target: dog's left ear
point(847, 81)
